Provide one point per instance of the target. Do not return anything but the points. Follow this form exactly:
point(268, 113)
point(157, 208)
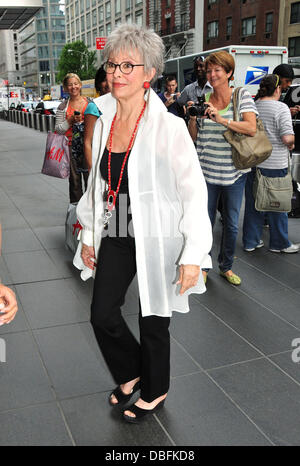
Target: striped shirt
point(277, 121)
point(214, 152)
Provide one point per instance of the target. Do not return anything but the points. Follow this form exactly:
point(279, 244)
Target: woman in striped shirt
point(277, 121)
point(215, 154)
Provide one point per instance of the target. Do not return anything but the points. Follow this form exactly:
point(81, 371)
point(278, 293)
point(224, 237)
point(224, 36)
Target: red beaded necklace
point(112, 195)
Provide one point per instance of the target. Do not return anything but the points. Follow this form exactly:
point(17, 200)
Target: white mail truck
point(251, 64)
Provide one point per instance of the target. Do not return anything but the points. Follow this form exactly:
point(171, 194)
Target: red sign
point(100, 43)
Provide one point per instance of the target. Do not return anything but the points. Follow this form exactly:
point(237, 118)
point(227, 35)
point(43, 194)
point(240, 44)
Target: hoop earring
point(146, 85)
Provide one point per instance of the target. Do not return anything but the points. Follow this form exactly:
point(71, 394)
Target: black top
point(118, 224)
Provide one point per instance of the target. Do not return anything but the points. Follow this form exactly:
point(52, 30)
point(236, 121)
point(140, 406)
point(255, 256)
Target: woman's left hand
point(188, 277)
point(212, 113)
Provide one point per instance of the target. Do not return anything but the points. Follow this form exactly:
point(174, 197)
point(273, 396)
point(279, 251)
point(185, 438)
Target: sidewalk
point(233, 378)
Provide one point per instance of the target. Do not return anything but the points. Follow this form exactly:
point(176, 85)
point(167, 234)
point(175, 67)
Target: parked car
point(47, 107)
point(27, 106)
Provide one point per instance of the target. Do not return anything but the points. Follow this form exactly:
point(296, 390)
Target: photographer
point(170, 96)
point(200, 87)
point(215, 154)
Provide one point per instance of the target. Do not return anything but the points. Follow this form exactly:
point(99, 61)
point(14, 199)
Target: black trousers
point(126, 358)
point(75, 181)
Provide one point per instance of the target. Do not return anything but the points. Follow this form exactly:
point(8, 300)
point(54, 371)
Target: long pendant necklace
point(110, 196)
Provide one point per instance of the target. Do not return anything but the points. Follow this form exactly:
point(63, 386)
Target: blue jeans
point(232, 196)
point(254, 220)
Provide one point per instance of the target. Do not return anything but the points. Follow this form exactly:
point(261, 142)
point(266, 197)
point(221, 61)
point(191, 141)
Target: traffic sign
point(100, 43)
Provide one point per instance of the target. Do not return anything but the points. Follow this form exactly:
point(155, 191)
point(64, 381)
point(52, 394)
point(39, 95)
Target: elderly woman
point(70, 112)
point(215, 155)
point(143, 162)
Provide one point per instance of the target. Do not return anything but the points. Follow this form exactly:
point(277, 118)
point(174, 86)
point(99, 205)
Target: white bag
point(73, 228)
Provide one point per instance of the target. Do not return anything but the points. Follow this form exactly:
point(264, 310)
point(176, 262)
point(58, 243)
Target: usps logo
point(255, 74)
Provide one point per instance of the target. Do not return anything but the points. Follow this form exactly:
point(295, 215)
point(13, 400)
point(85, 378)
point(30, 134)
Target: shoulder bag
point(247, 151)
point(273, 194)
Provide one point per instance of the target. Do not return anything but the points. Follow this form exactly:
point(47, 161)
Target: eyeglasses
point(125, 67)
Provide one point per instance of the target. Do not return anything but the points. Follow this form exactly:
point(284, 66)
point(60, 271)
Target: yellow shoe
point(233, 279)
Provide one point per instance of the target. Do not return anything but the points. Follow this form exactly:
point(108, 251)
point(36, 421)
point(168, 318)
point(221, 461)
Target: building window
point(100, 14)
point(295, 13)
point(139, 19)
point(168, 3)
point(294, 47)
point(82, 24)
point(249, 26)
point(128, 19)
point(43, 52)
point(228, 27)
point(183, 22)
point(81, 6)
point(117, 7)
point(87, 4)
point(44, 65)
point(94, 37)
point(42, 38)
point(168, 25)
point(128, 4)
point(88, 39)
point(269, 22)
point(107, 10)
point(212, 1)
point(77, 27)
point(88, 21)
point(108, 29)
point(58, 37)
point(94, 16)
point(213, 29)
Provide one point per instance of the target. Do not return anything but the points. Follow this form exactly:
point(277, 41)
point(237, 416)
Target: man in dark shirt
point(191, 92)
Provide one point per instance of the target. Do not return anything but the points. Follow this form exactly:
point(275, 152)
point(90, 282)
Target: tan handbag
point(273, 194)
point(247, 151)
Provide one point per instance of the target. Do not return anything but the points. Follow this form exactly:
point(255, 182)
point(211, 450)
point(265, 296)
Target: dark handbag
point(77, 147)
point(247, 151)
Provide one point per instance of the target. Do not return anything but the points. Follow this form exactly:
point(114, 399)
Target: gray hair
point(129, 37)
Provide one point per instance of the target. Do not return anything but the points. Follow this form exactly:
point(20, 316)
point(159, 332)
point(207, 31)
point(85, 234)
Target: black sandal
point(121, 397)
point(140, 413)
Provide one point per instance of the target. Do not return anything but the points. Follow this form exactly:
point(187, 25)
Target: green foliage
point(76, 58)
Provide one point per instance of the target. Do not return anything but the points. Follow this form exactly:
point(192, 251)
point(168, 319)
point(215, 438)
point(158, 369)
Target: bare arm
point(192, 127)
point(289, 141)
point(89, 124)
point(247, 126)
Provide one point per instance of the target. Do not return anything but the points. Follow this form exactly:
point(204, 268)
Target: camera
point(199, 108)
point(76, 112)
point(174, 96)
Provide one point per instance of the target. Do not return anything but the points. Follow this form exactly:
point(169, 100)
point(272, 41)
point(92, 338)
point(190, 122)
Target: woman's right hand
point(88, 256)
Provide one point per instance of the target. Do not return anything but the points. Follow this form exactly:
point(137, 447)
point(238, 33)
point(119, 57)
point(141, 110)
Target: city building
point(240, 22)
point(179, 23)
point(9, 57)
point(13, 14)
point(88, 19)
point(289, 30)
point(41, 41)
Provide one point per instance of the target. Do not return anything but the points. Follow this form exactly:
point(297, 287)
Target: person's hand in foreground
point(8, 305)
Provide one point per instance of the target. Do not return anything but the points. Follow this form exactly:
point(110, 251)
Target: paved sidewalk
point(233, 378)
